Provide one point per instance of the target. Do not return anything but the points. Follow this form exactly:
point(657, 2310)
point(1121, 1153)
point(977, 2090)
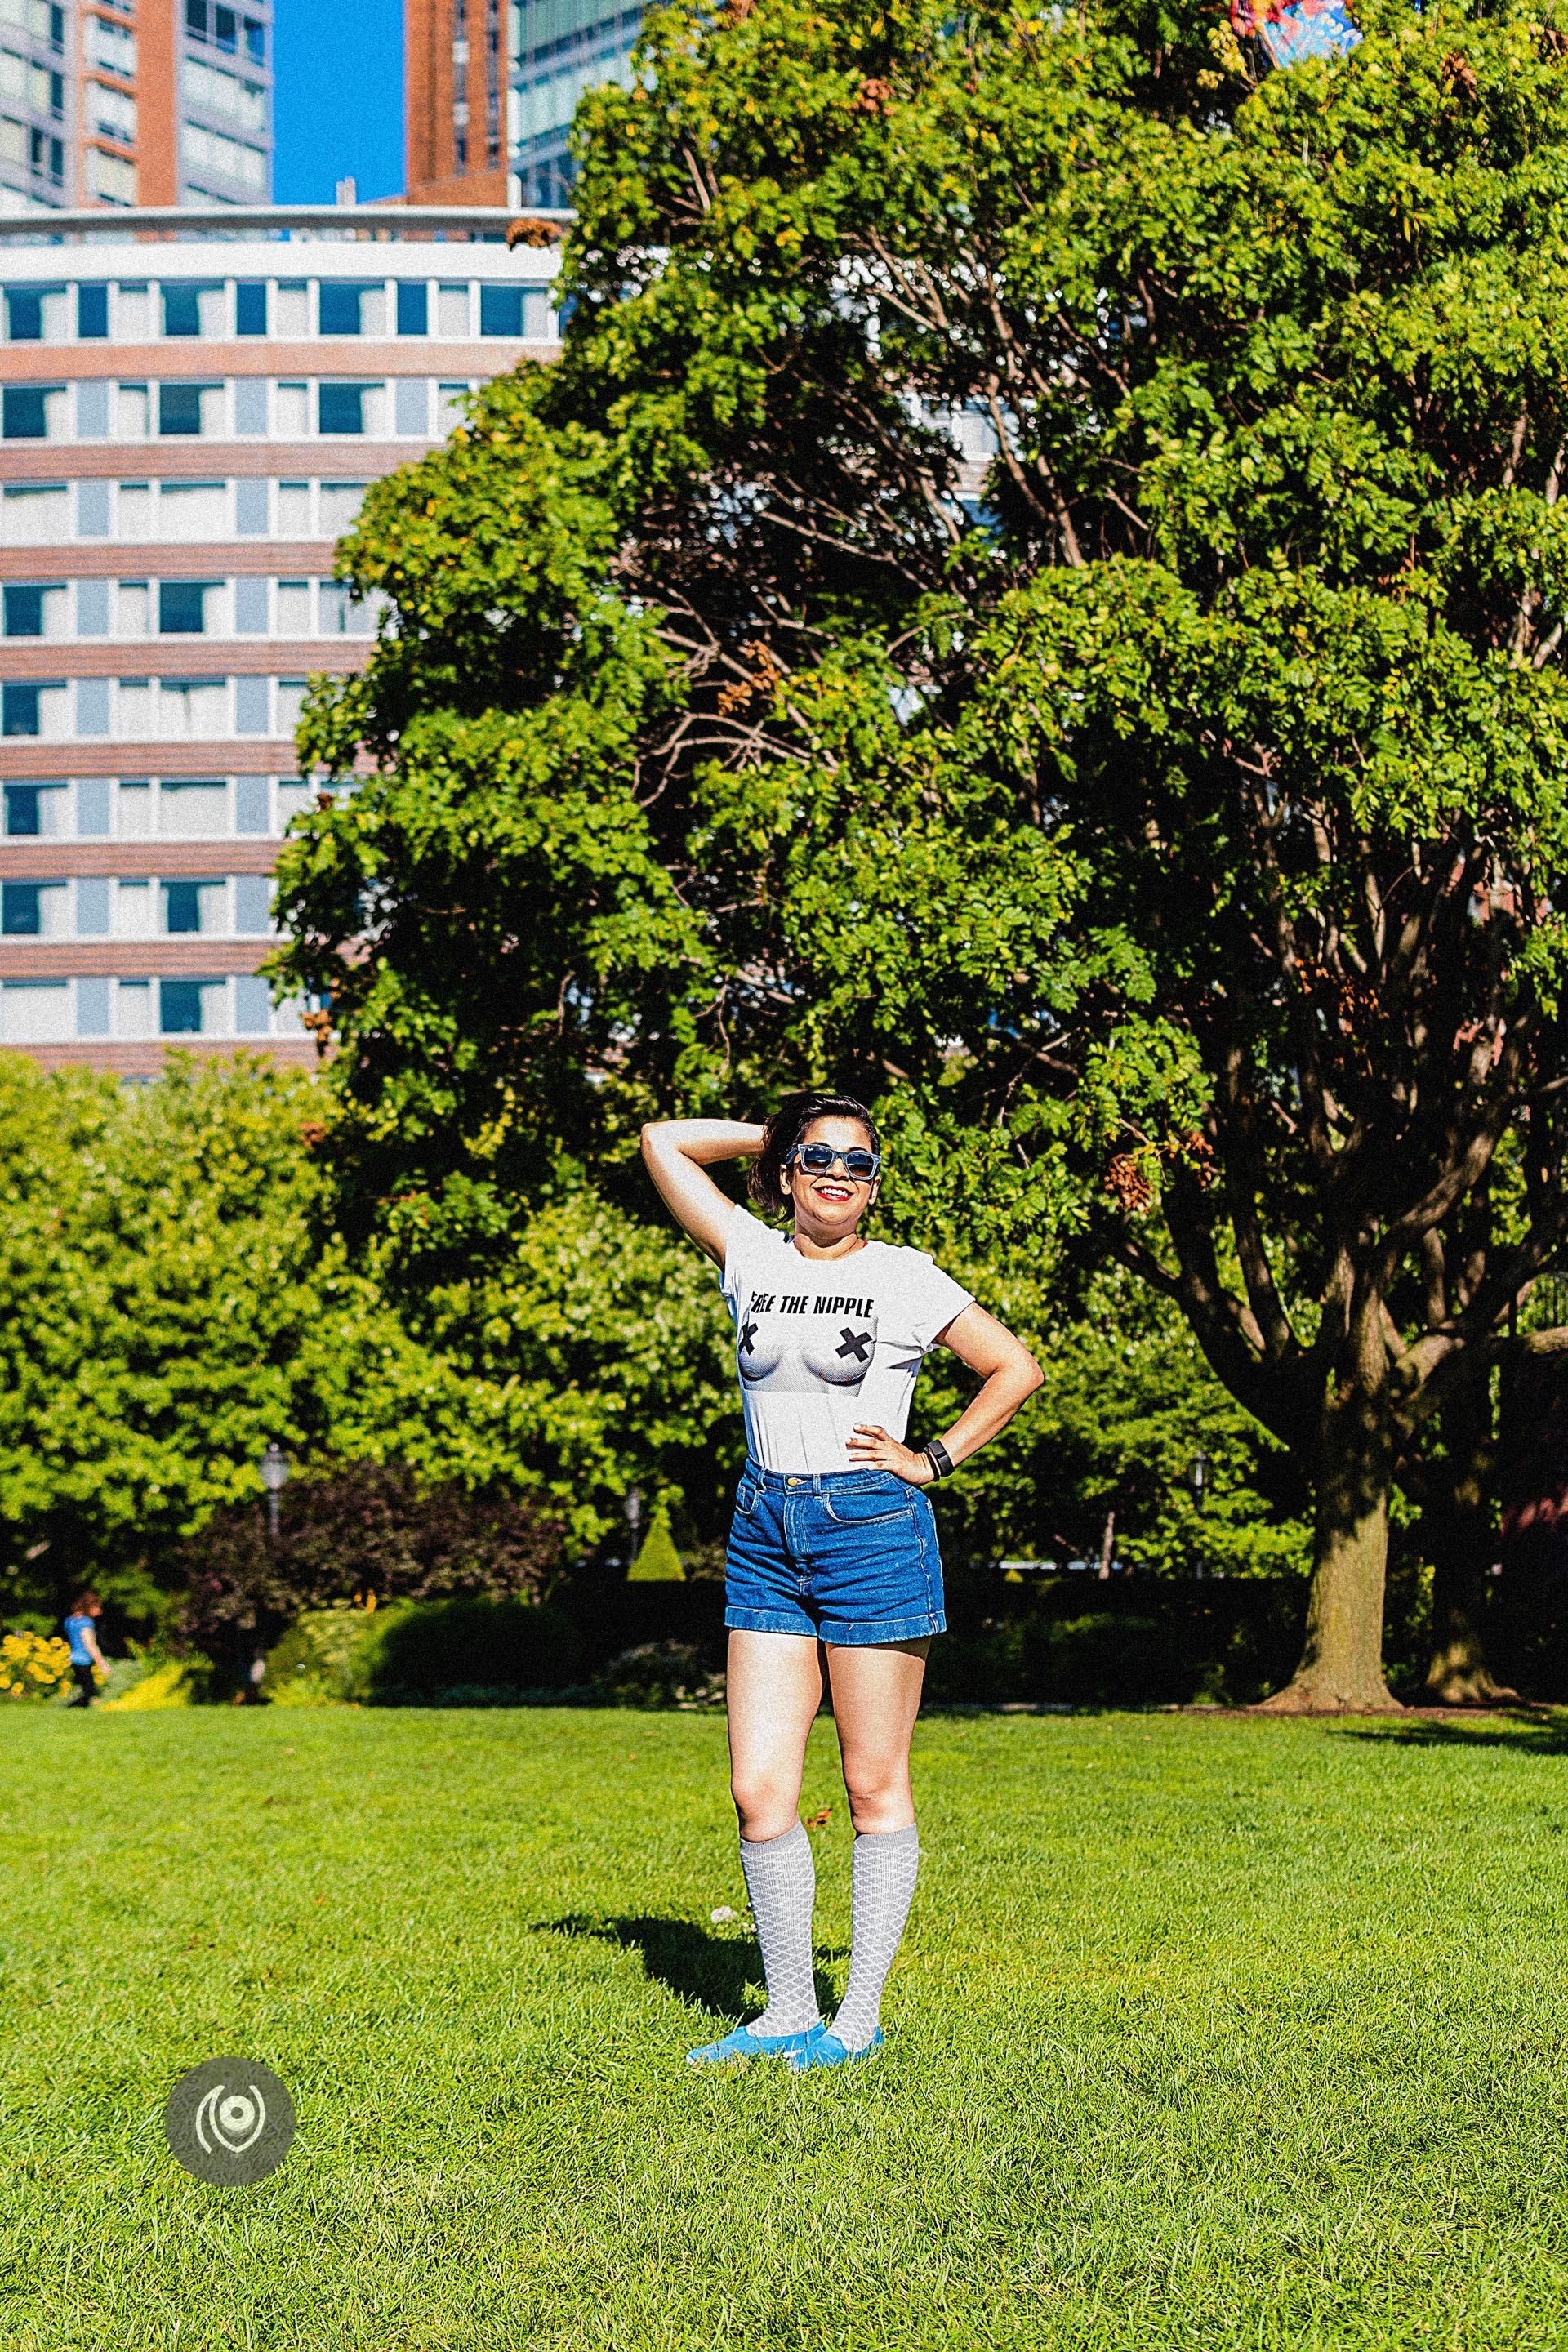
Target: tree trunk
point(1340, 1671)
point(1459, 1537)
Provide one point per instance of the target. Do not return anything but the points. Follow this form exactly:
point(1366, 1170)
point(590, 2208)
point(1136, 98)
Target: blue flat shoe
point(822, 2048)
point(744, 2043)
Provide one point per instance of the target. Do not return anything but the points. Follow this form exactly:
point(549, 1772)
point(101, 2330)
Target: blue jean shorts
point(848, 1557)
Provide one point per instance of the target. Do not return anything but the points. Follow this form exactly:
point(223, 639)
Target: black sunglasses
point(816, 1159)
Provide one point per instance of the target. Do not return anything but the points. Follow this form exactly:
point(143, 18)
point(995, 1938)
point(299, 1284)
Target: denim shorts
point(848, 1557)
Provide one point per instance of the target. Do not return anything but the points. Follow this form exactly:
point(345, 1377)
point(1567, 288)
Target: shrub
point(1105, 1659)
point(419, 1652)
point(32, 1666)
point(659, 1673)
point(322, 1658)
point(659, 1562)
point(169, 1682)
point(371, 1528)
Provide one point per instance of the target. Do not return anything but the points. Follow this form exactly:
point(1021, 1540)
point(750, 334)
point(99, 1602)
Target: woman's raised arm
point(679, 1152)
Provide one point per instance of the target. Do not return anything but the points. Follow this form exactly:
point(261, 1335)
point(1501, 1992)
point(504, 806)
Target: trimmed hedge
point(426, 1649)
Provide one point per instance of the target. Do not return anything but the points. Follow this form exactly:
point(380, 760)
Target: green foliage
point(426, 1648)
point(321, 1658)
point(657, 1562)
point(1168, 833)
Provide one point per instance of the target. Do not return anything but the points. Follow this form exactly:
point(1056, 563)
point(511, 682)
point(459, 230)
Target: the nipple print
point(759, 1352)
point(841, 1354)
point(835, 1352)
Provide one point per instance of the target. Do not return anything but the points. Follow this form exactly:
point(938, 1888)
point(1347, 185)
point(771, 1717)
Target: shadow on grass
point(1527, 1730)
point(711, 1972)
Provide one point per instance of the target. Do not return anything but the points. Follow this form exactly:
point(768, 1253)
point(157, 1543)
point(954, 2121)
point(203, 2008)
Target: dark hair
point(785, 1130)
point(85, 1600)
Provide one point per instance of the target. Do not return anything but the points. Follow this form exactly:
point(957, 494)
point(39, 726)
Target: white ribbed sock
point(781, 1879)
point(885, 1868)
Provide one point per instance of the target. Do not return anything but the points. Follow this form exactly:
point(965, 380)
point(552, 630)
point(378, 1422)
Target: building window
point(91, 411)
point(92, 608)
point(294, 608)
point(341, 408)
point(338, 309)
point(93, 807)
point(182, 608)
point(182, 310)
point(24, 810)
point(18, 709)
point(92, 906)
point(182, 909)
point(92, 510)
point(251, 504)
point(252, 905)
point(92, 314)
point(92, 1007)
point(112, 114)
point(500, 311)
point(240, 102)
point(250, 614)
point(250, 407)
point(49, 157)
point(212, 155)
point(413, 310)
point(21, 911)
point(252, 1005)
point(111, 178)
point(251, 810)
point(250, 711)
point(250, 306)
point(25, 314)
point(180, 407)
point(111, 47)
point(255, 41)
point(24, 408)
point(412, 395)
point(180, 1008)
point(24, 612)
point(205, 22)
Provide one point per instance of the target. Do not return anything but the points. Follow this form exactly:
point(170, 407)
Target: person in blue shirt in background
point(87, 1659)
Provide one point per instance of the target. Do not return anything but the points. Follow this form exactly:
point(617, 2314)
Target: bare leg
point(774, 1688)
point(876, 1698)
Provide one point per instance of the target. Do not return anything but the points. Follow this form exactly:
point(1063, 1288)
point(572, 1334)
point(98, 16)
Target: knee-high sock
point(781, 1879)
point(885, 1868)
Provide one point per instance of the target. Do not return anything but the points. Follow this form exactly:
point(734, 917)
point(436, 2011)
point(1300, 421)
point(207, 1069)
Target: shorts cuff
point(861, 1632)
point(771, 1621)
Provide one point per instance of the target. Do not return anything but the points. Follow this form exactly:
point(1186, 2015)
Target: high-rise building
point(188, 422)
point(131, 102)
point(492, 87)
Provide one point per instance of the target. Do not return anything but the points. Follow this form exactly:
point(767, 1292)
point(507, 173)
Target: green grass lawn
point(1206, 2033)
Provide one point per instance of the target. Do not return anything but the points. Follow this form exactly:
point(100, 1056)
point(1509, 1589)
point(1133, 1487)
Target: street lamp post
point(1200, 1478)
point(274, 1469)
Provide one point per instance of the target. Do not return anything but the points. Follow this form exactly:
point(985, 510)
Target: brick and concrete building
point(127, 102)
point(492, 87)
point(191, 406)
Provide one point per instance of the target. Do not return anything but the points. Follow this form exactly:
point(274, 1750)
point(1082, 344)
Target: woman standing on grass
point(833, 1562)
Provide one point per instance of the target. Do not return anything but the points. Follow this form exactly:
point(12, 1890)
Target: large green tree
point(1168, 831)
point(170, 1300)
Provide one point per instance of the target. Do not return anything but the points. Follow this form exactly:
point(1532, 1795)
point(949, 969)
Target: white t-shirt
point(824, 1343)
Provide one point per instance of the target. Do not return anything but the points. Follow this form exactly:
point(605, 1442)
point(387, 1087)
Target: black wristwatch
point(941, 1460)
